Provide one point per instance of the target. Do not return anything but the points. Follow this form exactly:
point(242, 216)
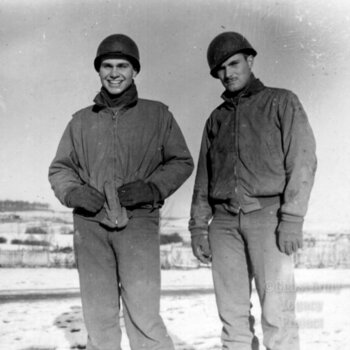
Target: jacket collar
point(254, 86)
point(127, 99)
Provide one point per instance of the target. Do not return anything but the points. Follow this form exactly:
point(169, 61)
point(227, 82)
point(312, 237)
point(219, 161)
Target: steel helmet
point(224, 46)
point(118, 46)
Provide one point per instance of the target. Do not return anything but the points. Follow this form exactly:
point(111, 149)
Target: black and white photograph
point(174, 175)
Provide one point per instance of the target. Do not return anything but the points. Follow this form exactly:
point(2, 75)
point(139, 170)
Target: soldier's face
point(116, 75)
point(235, 72)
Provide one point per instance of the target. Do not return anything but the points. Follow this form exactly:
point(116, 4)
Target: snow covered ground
point(187, 306)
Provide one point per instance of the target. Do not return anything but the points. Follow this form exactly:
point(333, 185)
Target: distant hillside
point(8, 205)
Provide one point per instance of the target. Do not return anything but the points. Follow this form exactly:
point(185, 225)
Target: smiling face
point(235, 72)
point(116, 75)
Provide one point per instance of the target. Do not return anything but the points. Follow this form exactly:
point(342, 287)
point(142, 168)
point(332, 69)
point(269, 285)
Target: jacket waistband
point(262, 202)
point(101, 215)
point(269, 200)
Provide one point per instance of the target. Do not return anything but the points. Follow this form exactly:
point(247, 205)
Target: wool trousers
point(121, 267)
point(244, 248)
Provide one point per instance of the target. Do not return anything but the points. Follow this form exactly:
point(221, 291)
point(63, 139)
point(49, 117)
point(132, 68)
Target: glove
point(201, 248)
point(289, 237)
point(289, 243)
point(138, 193)
point(85, 197)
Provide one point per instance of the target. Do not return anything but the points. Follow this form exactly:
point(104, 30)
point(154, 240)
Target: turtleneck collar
point(254, 85)
point(127, 98)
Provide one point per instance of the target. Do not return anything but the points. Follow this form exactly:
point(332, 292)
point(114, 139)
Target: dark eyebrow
point(234, 62)
point(123, 64)
point(230, 63)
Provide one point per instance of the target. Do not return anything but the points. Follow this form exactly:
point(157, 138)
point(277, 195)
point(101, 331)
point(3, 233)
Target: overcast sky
point(47, 50)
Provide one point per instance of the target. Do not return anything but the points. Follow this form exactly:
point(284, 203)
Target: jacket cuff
point(291, 224)
point(68, 196)
point(198, 232)
point(157, 197)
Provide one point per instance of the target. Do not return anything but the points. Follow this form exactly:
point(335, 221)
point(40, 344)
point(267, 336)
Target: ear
point(250, 60)
point(134, 73)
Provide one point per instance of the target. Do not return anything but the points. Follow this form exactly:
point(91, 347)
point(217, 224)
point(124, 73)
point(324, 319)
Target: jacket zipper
point(115, 130)
point(236, 143)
